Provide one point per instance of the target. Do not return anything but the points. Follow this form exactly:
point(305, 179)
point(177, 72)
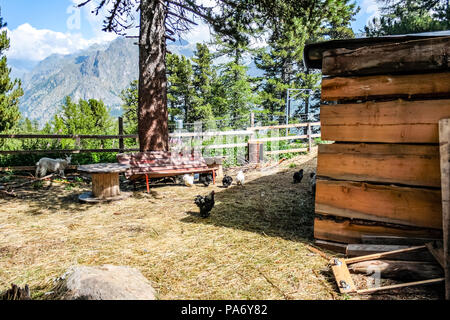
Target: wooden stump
point(105, 185)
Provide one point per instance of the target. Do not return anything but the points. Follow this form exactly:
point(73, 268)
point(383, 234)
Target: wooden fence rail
point(251, 132)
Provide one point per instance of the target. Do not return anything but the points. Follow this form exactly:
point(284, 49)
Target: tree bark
point(152, 108)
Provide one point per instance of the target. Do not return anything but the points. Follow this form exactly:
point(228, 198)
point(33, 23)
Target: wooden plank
point(350, 231)
point(342, 276)
point(401, 285)
point(287, 151)
point(416, 165)
point(331, 246)
point(383, 254)
point(444, 139)
point(416, 207)
point(396, 121)
point(373, 239)
point(383, 86)
point(356, 250)
point(412, 56)
point(437, 252)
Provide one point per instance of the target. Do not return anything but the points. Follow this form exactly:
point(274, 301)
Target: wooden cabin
point(382, 99)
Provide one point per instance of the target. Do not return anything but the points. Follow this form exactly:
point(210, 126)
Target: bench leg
point(146, 180)
point(214, 176)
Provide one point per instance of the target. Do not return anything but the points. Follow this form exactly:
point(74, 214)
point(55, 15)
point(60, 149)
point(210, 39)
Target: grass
point(253, 246)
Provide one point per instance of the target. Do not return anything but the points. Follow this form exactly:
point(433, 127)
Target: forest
point(214, 86)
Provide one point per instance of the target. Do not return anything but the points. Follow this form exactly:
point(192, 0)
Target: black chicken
point(205, 204)
point(227, 181)
point(205, 178)
point(298, 176)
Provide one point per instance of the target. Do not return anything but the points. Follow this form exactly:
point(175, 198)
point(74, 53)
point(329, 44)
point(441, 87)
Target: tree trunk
point(152, 109)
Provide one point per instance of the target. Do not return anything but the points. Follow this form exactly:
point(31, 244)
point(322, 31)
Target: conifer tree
point(204, 75)
point(409, 16)
point(10, 91)
point(282, 60)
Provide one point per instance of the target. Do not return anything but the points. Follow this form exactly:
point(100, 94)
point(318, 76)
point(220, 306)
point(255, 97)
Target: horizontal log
point(416, 165)
point(397, 121)
point(400, 270)
point(348, 231)
point(417, 207)
point(383, 86)
point(387, 240)
point(332, 246)
point(356, 250)
point(411, 56)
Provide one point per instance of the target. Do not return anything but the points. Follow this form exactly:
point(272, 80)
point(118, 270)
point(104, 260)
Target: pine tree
point(10, 91)
point(204, 75)
point(409, 16)
point(181, 90)
point(84, 117)
point(161, 20)
point(129, 97)
point(282, 60)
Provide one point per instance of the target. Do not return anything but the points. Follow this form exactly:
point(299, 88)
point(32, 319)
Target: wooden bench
point(157, 164)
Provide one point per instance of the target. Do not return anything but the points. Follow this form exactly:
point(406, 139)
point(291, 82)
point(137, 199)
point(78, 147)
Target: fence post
point(252, 119)
point(309, 137)
point(121, 146)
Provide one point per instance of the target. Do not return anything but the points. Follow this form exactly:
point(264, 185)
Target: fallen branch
point(32, 181)
point(319, 252)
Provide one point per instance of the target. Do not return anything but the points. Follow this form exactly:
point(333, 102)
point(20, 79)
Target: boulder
point(107, 282)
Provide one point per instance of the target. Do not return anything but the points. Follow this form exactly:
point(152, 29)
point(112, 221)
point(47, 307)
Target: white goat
point(52, 165)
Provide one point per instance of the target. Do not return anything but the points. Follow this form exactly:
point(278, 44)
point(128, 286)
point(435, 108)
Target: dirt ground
point(253, 246)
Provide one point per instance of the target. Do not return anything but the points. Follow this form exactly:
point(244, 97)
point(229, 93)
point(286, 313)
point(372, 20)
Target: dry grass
point(253, 246)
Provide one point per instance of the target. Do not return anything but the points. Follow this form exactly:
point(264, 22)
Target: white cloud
point(29, 43)
point(371, 8)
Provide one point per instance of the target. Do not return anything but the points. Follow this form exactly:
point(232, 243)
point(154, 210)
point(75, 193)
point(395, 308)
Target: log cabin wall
point(381, 176)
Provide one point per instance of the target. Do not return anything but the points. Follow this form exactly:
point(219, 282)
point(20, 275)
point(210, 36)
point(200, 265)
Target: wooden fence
point(192, 139)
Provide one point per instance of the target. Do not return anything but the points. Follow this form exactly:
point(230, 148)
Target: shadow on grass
point(270, 205)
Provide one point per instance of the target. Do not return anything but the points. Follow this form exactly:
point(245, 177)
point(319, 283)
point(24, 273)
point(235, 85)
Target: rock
point(107, 282)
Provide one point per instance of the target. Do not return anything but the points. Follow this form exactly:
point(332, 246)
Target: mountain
point(99, 72)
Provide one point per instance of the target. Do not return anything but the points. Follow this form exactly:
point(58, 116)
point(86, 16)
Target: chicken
point(206, 178)
point(298, 176)
point(205, 204)
point(227, 181)
point(188, 180)
point(240, 178)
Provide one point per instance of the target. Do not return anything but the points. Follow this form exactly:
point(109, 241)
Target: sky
point(39, 28)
